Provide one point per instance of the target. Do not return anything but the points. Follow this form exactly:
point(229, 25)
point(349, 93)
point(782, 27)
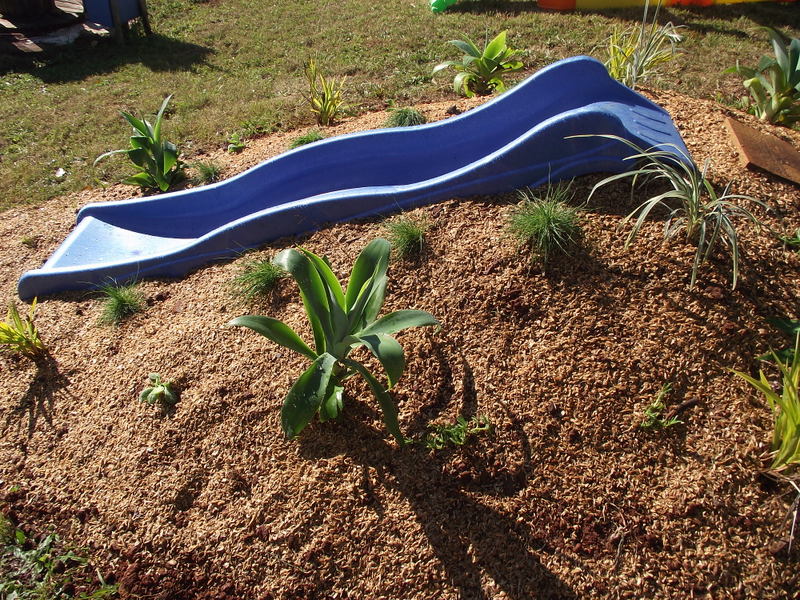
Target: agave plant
point(775, 83)
point(482, 72)
point(693, 204)
point(785, 410)
point(154, 157)
point(341, 321)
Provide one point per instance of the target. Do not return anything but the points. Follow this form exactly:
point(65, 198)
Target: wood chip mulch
point(569, 498)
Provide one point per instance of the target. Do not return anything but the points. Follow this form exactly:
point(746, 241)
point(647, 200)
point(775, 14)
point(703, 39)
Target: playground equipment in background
point(441, 5)
point(520, 138)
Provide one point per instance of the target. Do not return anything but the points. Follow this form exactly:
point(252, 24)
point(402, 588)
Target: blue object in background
point(518, 138)
point(102, 13)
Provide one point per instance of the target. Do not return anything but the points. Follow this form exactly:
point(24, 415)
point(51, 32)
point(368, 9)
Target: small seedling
point(30, 241)
point(407, 235)
point(653, 414)
point(20, 335)
point(121, 301)
point(236, 144)
point(257, 279)
point(793, 241)
point(405, 117)
point(457, 434)
point(546, 223)
point(309, 138)
point(208, 171)
point(159, 392)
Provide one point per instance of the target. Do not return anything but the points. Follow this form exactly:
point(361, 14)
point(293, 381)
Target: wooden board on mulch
point(765, 151)
point(569, 498)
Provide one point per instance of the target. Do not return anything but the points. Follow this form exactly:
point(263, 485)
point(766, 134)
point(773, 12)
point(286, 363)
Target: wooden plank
point(764, 151)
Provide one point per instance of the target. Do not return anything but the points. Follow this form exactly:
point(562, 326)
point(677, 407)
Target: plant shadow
point(37, 402)
point(472, 539)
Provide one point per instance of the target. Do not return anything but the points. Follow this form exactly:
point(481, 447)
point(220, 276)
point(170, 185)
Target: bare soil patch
point(568, 499)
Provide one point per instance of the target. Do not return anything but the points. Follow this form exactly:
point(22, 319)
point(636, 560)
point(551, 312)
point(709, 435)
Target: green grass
point(257, 279)
point(546, 223)
point(312, 136)
point(120, 302)
point(61, 110)
point(207, 171)
point(407, 235)
point(405, 117)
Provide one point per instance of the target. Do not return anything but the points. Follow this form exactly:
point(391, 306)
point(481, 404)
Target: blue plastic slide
point(519, 138)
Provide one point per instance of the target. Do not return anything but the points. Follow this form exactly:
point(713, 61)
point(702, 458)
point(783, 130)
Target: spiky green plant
point(692, 203)
point(341, 321)
point(407, 235)
point(312, 136)
point(120, 302)
point(405, 117)
point(635, 54)
point(482, 72)
point(208, 171)
point(257, 279)
point(324, 95)
point(155, 158)
point(20, 335)
point(785, 410)
point(546, 223)
point(654, 413)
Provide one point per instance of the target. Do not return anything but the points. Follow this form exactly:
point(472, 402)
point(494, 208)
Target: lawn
point(237, 67)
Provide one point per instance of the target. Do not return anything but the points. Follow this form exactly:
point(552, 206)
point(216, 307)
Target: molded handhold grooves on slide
point(519, 138)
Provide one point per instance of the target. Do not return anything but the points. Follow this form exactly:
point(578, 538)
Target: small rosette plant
point(341, 321)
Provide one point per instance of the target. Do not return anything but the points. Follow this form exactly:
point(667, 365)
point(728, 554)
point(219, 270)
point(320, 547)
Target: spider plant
point(692, 203)
point(341, 321)
point(481, 72)
point(635, 54)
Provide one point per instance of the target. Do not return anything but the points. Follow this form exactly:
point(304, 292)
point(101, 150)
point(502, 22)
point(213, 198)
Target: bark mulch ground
point(568, 498)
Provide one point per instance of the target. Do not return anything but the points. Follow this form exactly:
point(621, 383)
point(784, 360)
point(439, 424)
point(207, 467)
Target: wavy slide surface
point(519, 138)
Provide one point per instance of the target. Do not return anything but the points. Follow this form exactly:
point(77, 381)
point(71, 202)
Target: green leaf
point(159, 117)
point(467, 47)
point(389, 352)
point(385, 401)
point(333, 290)
point(307, 394)
point(397, 321)
point(136, 124)
point(312, 291)
point(496, 47)
point(277, 331)
point(332, 405)
point(372, 259)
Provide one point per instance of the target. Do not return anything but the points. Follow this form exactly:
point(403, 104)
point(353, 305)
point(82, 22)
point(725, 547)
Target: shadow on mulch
point(37, 402)
point(469, 537)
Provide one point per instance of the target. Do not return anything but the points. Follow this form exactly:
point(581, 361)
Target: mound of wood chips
point(569, 498)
